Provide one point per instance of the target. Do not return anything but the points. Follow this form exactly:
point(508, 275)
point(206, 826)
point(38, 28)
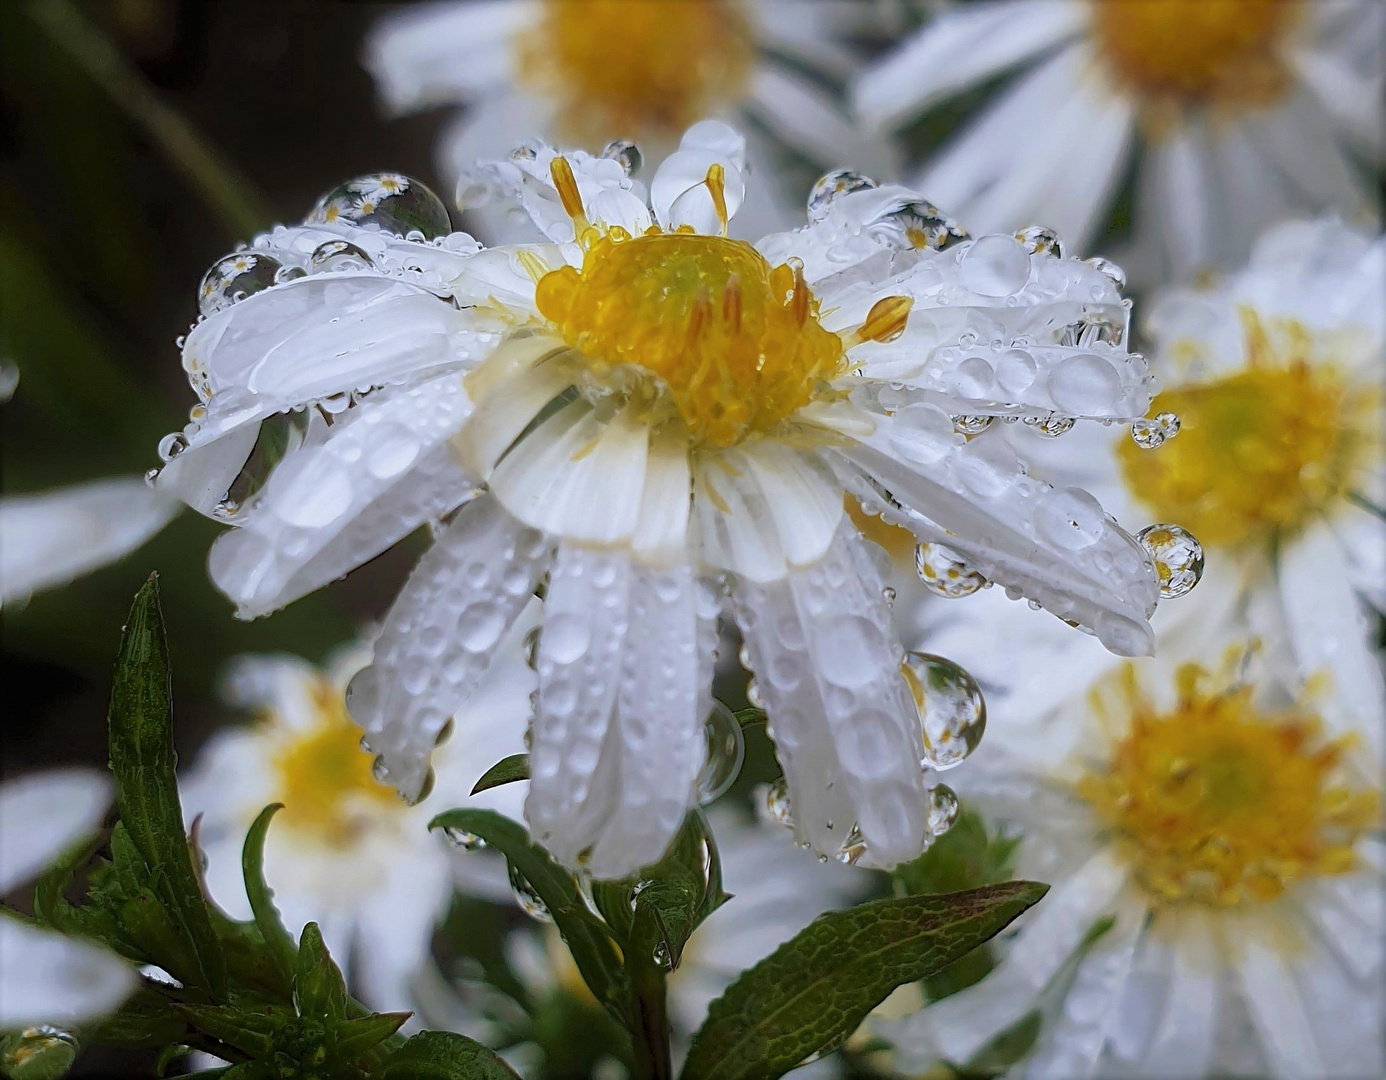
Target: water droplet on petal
point(853, 848)
point(951, 708)
point(339, 255)
point(919, 225)
point(995, 265)
point(1085, 384)
point(943, 809)
point(527, 898)
point(726, 750)
point(387, 202)
point(972, 425)
point(1153, 432)
point(626, 153)
point(1039, 240)
point(171, 445)
point(1070, 518)
point(777, 803)
point(1052, 426)
point(462, 839)
point(831, 186)
point(1109, 268)
point(1177, 555)
point(943, 572)
point(234, 278)
point(380, 770)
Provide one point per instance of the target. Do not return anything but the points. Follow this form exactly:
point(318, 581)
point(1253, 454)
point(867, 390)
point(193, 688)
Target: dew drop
point(943, 809)
point(530, 645)
point(754, 695)
point(1110, 269)
point(35, 1052)
point(726, 750)
point(919, 224)
point(1151, 433)
point(339, 255)
point(171, 445)
point(831, 186)
point(1177, 555)
point(1039, 240)
point(969, 424)
point(853, 848)
point(462, 839)
point(777, 803)
point(1085, 384)
point(1069, 518)
point(1052, 426)
point(566, 638)
point(527, 898)
point(235, 277)
point(626, 154)
point(380, 770)
point(951, 707)
point(943, 572)
point(386, 202)
point(995, 265)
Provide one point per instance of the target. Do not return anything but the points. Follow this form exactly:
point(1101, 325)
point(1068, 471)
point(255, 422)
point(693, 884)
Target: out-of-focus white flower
point(588, 71)
point(1278, 465)
point(646, 413)
point(346, 851)
point(1203, 802)
point(51, 537)
point(1243, 112)
point(46, 977)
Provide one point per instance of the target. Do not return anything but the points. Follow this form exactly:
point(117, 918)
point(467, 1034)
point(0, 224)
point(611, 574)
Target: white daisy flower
point(645, 413)
point(1240, 113)
point(346, 851)
point(1278, 465)
point(588, 71)
point(50, 537)
point(48, 978)
point(1220, 829)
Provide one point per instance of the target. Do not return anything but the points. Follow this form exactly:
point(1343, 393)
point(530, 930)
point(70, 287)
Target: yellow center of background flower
point(734, 344)
point(633, 68)
point(324, 775)
point(1259, 452)
point(1186, 52)
point(1219, 803)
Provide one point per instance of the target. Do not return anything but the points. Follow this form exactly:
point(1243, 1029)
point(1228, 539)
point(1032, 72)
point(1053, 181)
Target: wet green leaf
point(357, 1036)
point(144, 763)
point(441, 1055)
point(251, 1031)
point(505, 771)
point(318, 984)
point(814, 990)
point(278, 942)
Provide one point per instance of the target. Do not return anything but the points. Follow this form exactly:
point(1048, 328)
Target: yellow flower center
point(1176, 53)
point(733, 344)
point(631, 68)
point(324, 777)
point(1261, 451)
point(1219, 803)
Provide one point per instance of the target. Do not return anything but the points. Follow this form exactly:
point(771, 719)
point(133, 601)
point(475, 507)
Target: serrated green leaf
point(814, 990)
point(144, 763)
point(147, 922)
point(441, 1055)
point(277, 940)
point(587, 937)
point(251, 1031)
point(318, 984)
point(506, 771)
point(357, 1036)
point(50, 906)
point(145, 1020)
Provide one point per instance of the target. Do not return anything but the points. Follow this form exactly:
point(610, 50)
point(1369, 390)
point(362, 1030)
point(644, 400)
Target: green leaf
point(37, 1054)
point(357, 1036)
point(278, 942)
point(587, 937)
point(145, 1020)
point(441, 1055)
point(318, 984)
point(505, 771)
point(144, 763)
point(749, 717)
point(813, 991)
point(672, 897)
point(148, 923)
point(251, 1031)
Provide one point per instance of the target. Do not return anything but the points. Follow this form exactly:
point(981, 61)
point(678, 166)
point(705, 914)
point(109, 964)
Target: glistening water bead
point(943, 572)
point(952, 710)
point(388, 202)
point(235, 277)
point(726, 750)
point(525, 895)
point(832, 186)
point(1151, 433)
point(1178, 557)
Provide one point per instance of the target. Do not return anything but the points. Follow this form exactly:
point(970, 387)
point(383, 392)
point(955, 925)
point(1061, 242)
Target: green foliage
point(505, 771)
point(812, 992)
point(441, 1055)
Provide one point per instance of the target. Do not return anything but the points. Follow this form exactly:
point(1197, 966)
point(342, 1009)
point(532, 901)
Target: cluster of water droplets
point(38, 1051)
point(898, 218)
point(1153, 432)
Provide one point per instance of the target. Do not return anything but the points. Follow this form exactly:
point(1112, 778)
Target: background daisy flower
point(1234, 114)
point(1213, 838)
point(639, 413)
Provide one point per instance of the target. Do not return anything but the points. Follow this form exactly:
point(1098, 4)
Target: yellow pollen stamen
point(324, 775)
point(566, 185)
point(716, 183)
point(642, 315)
point(1171, 54)
point(884, 322)
point(1219, 803)
point(1262, 451)
point(638, 68)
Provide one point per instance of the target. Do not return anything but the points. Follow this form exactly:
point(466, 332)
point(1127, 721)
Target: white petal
point(51, 979)
point(958, 49)
point(1353, 100)
point(441, 633)
point(329, 508)
point(807, 119)
point(718, 138)
point(528, 181)
point(1054, 545)
point(576, 476)
point(1345, 1013)
point(394, 931)
point(661, 530)
point(443, 53)
point(49, 538)
point(1277, 1011)
point(41, 814)
point(509, 390)
point(831, 662)
point(1182, 1045)
point(679, 193)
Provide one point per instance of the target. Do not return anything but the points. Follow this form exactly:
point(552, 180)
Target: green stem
point(221, 185)
point(650, 1031)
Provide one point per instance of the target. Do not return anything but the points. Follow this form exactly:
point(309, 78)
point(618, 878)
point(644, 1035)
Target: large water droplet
point(626, 153)
point(1051, 426)
point(951, 708)
point(995, 265)
point(943, 809)
point(726, 750)
point(1177, 555)
point(529, 900)
point(339, 255)
point(1154, 432)
point(1110, 269)
point(943, 571)
point(388, 202)
point(1085, 384)
point(777, 803)
point(41, 1051)
point(234, 278)
point(832, 186)
point(1070, 518)
point(566, 638)
point(853, 848)
point(462, 839)
point(971, 425)
point(1039, 240)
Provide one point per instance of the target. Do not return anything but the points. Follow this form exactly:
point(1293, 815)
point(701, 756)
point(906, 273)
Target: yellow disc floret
point(636, 68)
point(1175, 53)
point(1259, 452)
point(324, 776)
point(701, 326)
point(1220, 803)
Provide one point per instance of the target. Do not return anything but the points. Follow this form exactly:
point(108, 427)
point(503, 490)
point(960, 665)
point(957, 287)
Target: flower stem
point(221, 185)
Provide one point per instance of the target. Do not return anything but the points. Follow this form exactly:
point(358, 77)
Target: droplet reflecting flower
point(831, 186)
point(951, 708)
point(726, 750)
point(1178, 557)
point(943, 809)
point(943, 572)
point(1154, 432)
point(234, 278)
point(388, 202)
